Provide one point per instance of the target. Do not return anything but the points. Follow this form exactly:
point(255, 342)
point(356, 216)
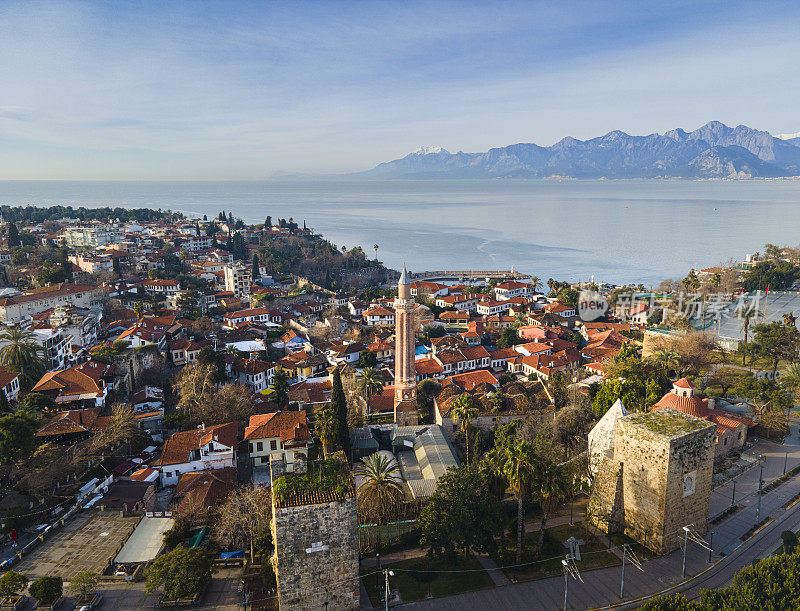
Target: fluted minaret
point(405, 375)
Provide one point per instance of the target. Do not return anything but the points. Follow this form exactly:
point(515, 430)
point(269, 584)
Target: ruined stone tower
point(656, 479)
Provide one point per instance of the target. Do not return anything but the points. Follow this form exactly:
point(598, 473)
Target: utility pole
point(733, 496)
point(785, 459)
point(565, 564)
point(622, 580)
point(760, 482)
point(685, 545)
point(710, 546)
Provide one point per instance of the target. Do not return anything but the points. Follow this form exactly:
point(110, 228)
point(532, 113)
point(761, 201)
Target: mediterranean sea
point(616, 231)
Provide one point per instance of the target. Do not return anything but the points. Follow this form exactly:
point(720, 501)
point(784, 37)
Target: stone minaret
point(405, 375)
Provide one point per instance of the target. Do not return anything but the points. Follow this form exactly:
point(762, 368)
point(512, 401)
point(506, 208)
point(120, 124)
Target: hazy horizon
point(251, 91)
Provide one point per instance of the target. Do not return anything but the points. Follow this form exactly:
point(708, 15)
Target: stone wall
point(316, 555)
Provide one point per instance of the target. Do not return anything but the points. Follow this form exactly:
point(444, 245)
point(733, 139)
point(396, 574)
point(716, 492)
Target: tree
point(776, 341)
point(121, 427)
point(380, 492)
point(280, 389)
point(21, 353)
point(558, 388)
point(516, 463)
point(771, 584)
point(13, 236)
point(724, 377)
point(665, 358)
point(195, 384)
point(339, 408)
point(47, 589)
point(17, 436)
point(535, 283)
point(256, 267)
point(138, 309)
point(182, 573)
point(12, 583)
point(508, 338)
point(375, 247)
point(244, 519)
point(461, 514)
point(268, 222)
point(326, 427)
point(369, 383)
point(551, 486)
point(84, 583)
point(187, 301)
point(790, 379)
point(463, 412)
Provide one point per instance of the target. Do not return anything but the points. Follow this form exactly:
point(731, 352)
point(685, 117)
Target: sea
point(615, 231)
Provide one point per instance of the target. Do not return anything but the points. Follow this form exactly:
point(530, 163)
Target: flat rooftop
point(146, 541)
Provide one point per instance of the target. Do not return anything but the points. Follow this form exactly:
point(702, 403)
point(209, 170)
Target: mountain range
point(712, 151)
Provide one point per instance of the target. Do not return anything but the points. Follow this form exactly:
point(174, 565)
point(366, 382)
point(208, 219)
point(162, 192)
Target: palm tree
point(746, 316)
point(375, 246)
point(463, 412)
point(369, 383)
point(517, 465)
point(667, 359)
point(551, 486)
point(20, 353)
point(536, 283)
point(380, 492)
point(326, 427)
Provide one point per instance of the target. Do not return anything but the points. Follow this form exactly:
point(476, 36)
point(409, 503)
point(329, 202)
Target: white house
point(206, 447)
point(279, 433)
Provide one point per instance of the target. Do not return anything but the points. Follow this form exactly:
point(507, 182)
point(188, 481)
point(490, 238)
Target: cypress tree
point(13, 236)
point(256, 273)
point(339, 407)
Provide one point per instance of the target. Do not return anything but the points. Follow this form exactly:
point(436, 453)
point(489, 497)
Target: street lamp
point(387, 573)
point(565, 564)
point(685, 545)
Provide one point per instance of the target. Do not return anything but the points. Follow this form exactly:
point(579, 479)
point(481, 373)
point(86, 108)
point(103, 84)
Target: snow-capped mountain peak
point(788, 136)
point(428, 150)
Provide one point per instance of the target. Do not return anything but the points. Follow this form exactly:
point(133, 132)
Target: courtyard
point(86, 542)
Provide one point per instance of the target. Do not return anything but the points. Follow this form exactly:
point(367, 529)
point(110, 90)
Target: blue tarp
point(228, 555)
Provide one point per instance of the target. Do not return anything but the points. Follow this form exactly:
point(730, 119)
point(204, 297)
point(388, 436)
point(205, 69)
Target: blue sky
point(237, 90)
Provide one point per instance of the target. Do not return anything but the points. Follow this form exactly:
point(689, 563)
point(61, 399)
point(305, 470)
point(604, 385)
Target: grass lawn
point(594, 554)
point(412, 580)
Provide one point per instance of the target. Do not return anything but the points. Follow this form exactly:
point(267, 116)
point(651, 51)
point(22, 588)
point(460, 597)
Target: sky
point(252, 90)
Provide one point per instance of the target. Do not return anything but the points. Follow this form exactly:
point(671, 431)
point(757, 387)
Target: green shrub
point(47, 589)
point(12, 583)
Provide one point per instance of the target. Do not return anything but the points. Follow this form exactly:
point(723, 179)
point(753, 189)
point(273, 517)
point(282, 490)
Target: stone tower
point(405, 375)
point(656, 479)
point(315, 533)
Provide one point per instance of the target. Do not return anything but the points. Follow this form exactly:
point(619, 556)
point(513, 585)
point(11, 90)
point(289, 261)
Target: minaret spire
point(405, 375)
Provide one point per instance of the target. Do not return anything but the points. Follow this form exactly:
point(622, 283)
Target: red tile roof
point(179, 446)
point(288, 426)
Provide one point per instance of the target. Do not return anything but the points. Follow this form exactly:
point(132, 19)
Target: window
point(273, 445)
point(260, 446)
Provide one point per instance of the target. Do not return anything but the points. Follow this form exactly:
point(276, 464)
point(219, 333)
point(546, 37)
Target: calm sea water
point(616, 231)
